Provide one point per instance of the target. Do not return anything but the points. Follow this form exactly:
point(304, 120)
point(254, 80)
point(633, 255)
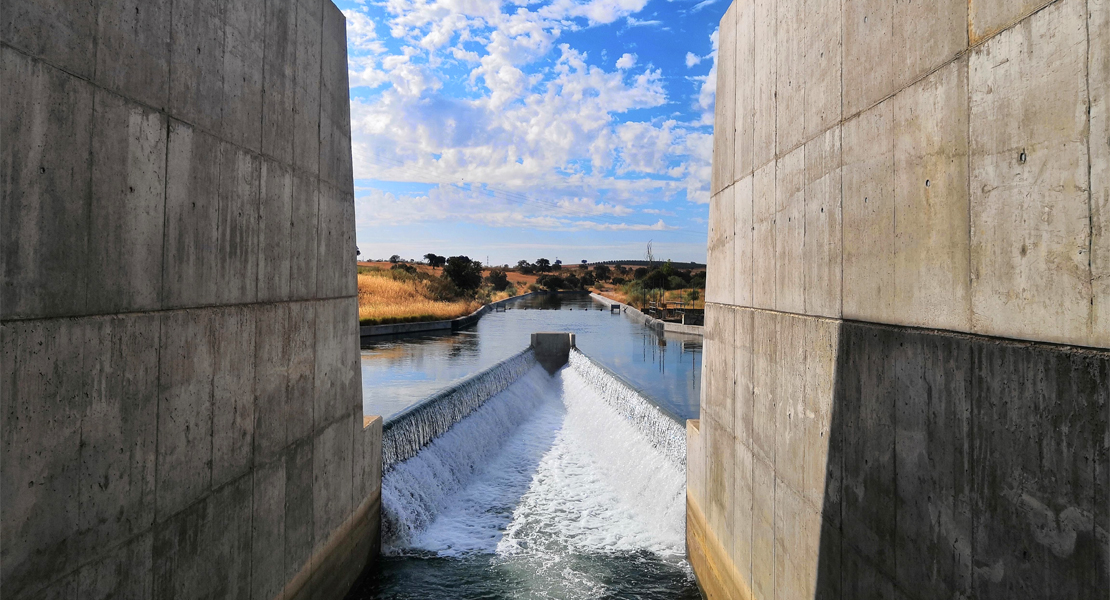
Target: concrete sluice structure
point(545, 485)
point(906, 376)
point(181, 402)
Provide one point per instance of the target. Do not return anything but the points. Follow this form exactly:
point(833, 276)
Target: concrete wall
point(181, 400)
point(552, 349)
point(907, 381)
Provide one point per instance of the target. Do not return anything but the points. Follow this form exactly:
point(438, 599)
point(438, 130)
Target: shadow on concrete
point(965, 467)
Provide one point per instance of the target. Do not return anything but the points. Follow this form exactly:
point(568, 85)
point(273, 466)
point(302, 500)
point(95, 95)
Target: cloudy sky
point(577, 129)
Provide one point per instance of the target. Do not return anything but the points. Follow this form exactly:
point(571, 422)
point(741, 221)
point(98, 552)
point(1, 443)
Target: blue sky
point(577, 129)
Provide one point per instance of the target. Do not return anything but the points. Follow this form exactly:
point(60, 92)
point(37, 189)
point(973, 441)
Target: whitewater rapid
point(543, 478)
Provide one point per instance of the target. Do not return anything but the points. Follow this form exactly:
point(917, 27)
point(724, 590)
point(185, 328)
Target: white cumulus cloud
point(509, 126)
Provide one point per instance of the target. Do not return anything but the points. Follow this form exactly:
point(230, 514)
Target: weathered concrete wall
point(181, 400)
point(907, 381)
point(552, 349)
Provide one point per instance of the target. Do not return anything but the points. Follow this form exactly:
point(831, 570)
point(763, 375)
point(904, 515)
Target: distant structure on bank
point(181, 398)
point(906, 376)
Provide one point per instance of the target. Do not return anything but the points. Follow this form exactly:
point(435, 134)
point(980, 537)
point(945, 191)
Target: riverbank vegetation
point(387, 296)
point(406, 293)
point(662, 284)
point(441, 288)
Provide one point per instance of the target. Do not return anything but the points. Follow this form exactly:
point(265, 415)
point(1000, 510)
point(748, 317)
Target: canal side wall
point(906, 368)
point(651, 322)
point(181, 400)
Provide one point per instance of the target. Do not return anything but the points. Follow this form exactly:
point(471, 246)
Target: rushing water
point(408, 431)
point(566, 486)
point(397, 373)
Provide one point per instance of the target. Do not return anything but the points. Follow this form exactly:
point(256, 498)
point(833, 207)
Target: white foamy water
point(544, 478)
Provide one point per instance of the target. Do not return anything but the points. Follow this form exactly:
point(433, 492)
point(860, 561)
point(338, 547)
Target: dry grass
point(680, 296)
point(515, 277)
point(615, 293)
point(612, 294)
point(383, 300)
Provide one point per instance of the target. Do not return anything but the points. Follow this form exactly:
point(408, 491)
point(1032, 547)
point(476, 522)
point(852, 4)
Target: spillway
point(520, 484)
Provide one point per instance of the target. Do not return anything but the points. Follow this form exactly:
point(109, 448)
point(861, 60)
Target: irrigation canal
point(400, 371)
point(568, 486)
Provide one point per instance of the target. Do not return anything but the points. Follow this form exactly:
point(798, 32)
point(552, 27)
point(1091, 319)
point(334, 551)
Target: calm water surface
point(399, 372)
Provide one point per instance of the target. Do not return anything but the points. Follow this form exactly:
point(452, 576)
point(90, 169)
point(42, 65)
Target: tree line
point(466, 276)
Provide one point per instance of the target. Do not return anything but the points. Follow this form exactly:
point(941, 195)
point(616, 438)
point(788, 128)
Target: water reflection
point(401, 370)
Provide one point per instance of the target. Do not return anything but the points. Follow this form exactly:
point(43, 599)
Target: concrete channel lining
point(178, 313)
point(552, 349)
point(907, 377)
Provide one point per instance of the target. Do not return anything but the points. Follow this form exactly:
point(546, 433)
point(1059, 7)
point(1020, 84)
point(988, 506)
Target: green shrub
point(464, 273)
point(551, 282)
point(498, 280)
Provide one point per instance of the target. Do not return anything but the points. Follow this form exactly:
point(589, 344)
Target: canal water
point(399, 372)
point(550, 489)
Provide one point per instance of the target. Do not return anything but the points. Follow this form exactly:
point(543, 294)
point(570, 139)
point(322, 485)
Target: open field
point(383, 300)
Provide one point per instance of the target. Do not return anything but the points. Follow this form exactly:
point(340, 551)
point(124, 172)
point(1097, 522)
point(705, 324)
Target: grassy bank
point(386, 297)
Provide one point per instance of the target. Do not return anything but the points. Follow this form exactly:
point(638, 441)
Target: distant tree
point(618, 281)
point(551, 282)
point(639, 273)
point(542, 265)
point(583, 266)
point(655, 280)
point(588, 279)
point(520, 264)
point(602, 273)
point(498, 280)
point(622, 270)
point(466, 274)
point(572, 282)
point(557, 265)
point(674, 282)
point(697, 280)
point(692, 296)
point(435, 260)
point(396, 258)
point(668, 268)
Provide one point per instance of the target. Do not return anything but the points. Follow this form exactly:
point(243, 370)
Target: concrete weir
point(906, 375)
point(552, 349)
point(469, 473)
point(180, 395)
